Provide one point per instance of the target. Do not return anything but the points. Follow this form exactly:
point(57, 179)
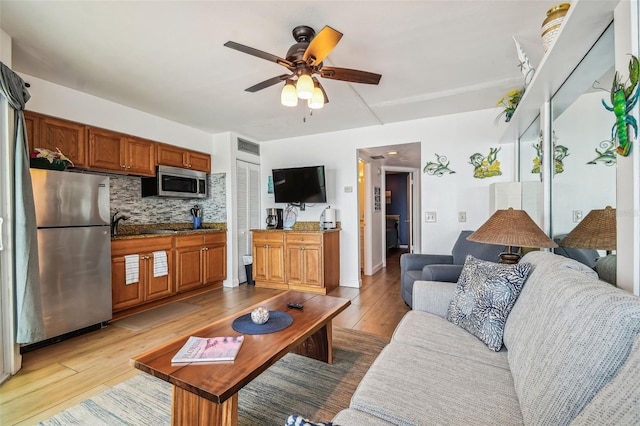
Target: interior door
point(248, 211)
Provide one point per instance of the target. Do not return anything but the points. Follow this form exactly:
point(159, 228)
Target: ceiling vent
point(377, 157)
point(250, 147)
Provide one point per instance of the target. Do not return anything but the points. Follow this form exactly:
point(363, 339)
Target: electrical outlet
point(462, 216)
point(430, 217)
point(348, 189)
point(577, 216)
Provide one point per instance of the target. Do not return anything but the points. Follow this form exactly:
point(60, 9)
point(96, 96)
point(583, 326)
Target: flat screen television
point(299, 185)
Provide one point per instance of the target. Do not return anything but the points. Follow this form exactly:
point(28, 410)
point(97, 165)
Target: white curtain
point(29, 321)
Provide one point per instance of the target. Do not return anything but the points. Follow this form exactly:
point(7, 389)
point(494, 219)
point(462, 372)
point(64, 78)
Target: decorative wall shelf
point(582, 27)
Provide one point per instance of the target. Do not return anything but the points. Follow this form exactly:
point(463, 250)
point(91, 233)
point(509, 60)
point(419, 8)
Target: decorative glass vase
point(551, 25)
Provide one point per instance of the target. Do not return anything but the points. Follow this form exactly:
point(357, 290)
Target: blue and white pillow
point(298, 420)
point(484, 296)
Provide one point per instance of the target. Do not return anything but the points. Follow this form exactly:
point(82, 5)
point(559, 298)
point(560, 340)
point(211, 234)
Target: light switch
point(462, 216)
point(577, 216)
point(430, 217)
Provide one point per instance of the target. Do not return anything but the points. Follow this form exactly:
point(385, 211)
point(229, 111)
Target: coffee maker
point(274, 219)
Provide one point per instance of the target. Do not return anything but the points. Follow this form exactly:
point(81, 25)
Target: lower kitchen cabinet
point(268, 259)
point(148, 287)
point(200, 260)
point(304, 261)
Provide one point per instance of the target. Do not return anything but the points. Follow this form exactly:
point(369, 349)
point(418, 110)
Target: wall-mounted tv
point(299, 185)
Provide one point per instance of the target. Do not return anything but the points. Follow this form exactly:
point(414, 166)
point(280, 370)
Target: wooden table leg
point(319, 346)
point(188, 409)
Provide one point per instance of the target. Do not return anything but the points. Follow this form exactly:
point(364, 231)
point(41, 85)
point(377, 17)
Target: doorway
point(373, 165)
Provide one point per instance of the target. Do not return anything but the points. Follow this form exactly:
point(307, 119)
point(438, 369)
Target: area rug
point(156, 316)
point(293, 385)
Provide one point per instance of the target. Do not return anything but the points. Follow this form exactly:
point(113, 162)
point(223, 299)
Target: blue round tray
point(277, 321)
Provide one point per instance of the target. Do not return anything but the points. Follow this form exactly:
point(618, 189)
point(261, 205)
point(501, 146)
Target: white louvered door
point(248, 212)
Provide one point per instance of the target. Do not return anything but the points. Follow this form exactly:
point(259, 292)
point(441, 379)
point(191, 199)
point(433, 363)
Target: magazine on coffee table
point(209, 349)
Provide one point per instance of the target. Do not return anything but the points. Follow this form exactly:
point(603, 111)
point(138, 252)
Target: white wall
point(456, 136)
point(59, 101)
point(628, 168)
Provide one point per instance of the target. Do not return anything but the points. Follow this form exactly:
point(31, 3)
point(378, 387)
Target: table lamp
point(512, 228)
point(596, 231)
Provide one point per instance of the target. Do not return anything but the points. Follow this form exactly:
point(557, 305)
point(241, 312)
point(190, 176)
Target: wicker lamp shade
point(596, 231)
point(511, 228)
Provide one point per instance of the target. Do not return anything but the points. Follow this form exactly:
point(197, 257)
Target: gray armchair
point(586, 256)
point(439, 267)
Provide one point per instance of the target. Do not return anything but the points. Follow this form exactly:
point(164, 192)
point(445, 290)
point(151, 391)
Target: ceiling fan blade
point(321, 45)
point(259, 53)
point(346, 74)
point(267, 83)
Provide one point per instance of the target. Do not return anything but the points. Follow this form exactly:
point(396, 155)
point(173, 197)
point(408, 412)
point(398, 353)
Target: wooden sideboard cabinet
point(54, 133)
point(148, 287)
point(305, 261)
point(169, 155)
point(201, 260)
point(120, 153)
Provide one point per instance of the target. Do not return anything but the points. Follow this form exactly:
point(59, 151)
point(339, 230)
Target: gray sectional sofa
point(571, 355)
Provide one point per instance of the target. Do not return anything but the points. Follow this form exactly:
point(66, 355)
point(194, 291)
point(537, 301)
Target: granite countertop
point(301, 226)
point(128, 232)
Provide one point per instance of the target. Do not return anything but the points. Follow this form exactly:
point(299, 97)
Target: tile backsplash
point(126, 198)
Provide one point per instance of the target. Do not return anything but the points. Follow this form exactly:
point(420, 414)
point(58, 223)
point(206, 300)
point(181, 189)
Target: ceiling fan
point(304, 60)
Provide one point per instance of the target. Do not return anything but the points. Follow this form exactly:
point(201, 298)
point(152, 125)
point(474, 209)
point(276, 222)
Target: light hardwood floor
point(59, 376)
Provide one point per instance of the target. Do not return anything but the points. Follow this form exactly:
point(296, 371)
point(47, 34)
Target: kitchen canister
point(552, 23)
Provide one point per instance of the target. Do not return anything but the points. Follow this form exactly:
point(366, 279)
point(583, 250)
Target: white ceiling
point(167, 57)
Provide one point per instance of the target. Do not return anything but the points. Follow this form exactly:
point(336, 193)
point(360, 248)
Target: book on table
point(209, 349)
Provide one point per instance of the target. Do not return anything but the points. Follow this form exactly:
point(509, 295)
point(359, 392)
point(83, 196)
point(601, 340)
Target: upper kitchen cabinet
point(116, 152)
point(169, 155)
point(53, 133)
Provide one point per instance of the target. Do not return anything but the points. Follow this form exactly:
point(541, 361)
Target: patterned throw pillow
point(484, 296)
point(297, 420)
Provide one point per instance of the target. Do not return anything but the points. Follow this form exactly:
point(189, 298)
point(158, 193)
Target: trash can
point(248, 263)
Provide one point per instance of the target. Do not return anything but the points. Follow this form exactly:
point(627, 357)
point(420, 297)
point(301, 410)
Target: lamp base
point(509, 258)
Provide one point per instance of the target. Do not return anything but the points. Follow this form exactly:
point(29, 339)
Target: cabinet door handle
point(128, 167)
point(123, 166)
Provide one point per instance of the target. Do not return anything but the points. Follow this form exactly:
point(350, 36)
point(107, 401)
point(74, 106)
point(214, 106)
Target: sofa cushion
point(567, 337)
point(407, 385)
point(429, 331)
point(485, 295)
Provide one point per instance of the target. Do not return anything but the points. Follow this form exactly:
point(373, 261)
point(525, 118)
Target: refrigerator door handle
point(1, 247)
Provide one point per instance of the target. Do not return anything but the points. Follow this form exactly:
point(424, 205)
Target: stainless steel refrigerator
point(74, 249)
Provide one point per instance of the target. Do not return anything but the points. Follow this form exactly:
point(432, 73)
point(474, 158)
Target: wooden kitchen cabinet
point(268, 259)
point(304, 266)
point(201, 260)
point(53, 133)
point(148, 287)
point(120, 153)
point(169, 155)
point(312, 261)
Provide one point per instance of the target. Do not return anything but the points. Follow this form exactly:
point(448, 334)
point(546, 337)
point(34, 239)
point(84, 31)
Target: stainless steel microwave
point(175, 182)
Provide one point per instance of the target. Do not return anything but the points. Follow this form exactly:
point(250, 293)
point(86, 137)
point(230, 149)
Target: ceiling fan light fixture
point(317, 100)
point(289, 97)
point(304, 86)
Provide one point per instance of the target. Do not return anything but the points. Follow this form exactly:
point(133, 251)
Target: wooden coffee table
point(207, 394)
